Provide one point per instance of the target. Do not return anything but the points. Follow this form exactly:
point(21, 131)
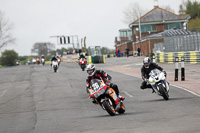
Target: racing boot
point(121, 97)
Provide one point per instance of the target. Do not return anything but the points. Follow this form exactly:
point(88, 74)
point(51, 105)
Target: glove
point(108, 83)
point(146, 80)
point(164, 73)
point(94, 101)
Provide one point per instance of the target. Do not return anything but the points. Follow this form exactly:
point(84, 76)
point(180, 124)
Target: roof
point(185, 16)
point(169, 33)
point(160, 15)
point(125, 30)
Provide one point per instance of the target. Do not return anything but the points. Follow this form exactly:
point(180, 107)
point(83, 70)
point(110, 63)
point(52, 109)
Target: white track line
point(186, 90)
point(4, 92)
point(127, 93)
point(170, 84)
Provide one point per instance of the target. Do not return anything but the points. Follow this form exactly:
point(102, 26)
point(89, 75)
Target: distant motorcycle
point(43, 61)
point(159, 83)
point(55, 66)
point(58, 59)
point(38, 61)
point(106, 97)
point(82, 63)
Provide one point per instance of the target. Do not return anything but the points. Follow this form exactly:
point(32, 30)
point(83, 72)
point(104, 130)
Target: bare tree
point(132, 13)
point(168, 8)
point(42, 48)
point(5, 31)
point(183, 7)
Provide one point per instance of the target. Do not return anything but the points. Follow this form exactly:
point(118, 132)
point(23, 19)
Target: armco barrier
point(192, 57)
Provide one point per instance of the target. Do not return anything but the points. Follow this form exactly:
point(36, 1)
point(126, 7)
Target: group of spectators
point(74, 51)
point(135, 53)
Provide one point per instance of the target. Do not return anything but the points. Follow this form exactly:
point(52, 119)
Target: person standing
point(127, 52)
point(138, 50)
point(116, 52)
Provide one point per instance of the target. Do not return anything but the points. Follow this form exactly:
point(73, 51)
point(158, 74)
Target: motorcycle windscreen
point(154, 72)
point(95, 84)
point(98, 87)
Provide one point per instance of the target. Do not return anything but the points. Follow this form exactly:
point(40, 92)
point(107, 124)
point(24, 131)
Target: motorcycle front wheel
point(122, 109)
point(109, 108)
point(55, 69)
point(163, 92)
point(82, 67)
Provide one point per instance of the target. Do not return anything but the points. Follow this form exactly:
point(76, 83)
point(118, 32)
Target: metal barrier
point(96, 59)
point(192, 57)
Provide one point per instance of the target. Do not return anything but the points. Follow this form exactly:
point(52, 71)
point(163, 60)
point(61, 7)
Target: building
point(124, 41)
point(155, 21)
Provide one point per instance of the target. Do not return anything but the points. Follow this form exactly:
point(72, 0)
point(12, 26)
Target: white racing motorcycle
point(55, 66)
point(159, 83)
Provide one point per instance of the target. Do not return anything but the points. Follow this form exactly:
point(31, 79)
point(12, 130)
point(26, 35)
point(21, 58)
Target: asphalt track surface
point(34, 99)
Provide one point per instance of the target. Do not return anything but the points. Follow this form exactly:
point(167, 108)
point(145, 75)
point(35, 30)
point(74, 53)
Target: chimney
point(156, 3)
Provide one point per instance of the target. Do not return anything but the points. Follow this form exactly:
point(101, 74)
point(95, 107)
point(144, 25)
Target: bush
point(9, 58)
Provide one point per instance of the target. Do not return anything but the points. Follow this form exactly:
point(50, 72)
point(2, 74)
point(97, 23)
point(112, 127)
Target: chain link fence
point(179, 42)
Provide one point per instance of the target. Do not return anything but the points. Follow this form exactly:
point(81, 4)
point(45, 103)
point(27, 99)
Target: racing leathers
point(53, 59)
point(145, 74)
point(106, 78)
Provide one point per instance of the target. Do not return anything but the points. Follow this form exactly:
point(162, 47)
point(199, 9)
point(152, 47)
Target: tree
point(5, 31)
point(168, 8)
point(9, 58)
point(132, 13)
point(182, 7)
point(192, 8)
point(60, 51)
point(194, 24)
point(42, 48)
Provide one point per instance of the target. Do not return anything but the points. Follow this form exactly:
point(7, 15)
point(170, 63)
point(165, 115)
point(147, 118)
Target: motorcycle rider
point(53, 59)
point(81, 56)
point(38, 60)
point(146, 69)
point(42, 56)
point(93, 73)
point(58, 59)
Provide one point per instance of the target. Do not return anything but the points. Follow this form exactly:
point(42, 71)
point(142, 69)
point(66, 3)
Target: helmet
point(146, 62)
point(53, 57)
point(91, 70)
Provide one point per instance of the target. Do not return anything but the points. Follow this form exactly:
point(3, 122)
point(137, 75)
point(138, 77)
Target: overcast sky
point(98, 20)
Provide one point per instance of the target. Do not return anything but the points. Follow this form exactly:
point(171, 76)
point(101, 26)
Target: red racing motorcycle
point(82, 63)
point(106, 97)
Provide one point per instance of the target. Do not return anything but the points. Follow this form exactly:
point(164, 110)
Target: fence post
point(176, 69)
point(182, 69)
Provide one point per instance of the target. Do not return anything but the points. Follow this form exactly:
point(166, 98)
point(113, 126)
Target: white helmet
point(91, 70)
point(146, 62)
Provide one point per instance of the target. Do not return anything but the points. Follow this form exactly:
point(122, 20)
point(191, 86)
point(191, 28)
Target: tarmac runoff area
point(192, 74)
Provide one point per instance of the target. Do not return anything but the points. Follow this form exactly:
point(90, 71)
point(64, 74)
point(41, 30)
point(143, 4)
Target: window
point(166, 26)
point(123, 34)
point(145, 28)
point(172, 25)
point(154, 27)
point(148, 28)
